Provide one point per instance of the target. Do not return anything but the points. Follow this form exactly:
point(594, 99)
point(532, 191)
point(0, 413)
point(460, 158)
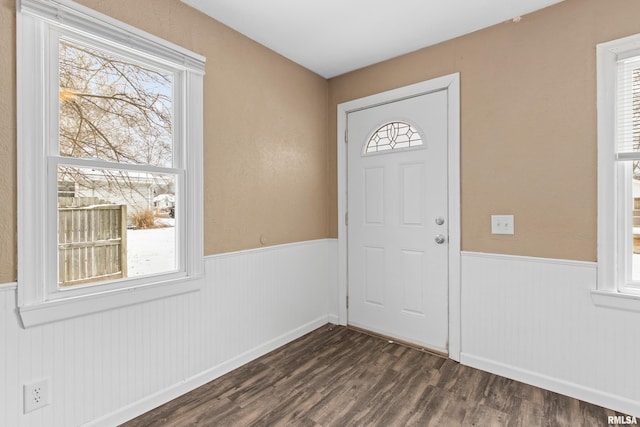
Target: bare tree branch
point(116, 111)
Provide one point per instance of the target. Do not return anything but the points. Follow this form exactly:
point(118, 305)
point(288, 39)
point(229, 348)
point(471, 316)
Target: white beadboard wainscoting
point(108, 367)
point(533, 320)
point(529, 319)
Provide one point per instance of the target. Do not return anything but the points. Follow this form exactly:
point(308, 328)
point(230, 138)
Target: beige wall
point(8, 220)
point(528, 127)
point(528, 118)
point(265, 132)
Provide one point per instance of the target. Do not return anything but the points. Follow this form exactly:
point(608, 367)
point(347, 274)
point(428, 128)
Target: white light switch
point(502, 224)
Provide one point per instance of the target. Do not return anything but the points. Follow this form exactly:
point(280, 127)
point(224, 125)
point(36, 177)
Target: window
point(619, 174)
point(109, 163)
point(393, 136)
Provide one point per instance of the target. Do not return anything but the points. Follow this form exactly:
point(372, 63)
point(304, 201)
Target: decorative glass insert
point(393, 136)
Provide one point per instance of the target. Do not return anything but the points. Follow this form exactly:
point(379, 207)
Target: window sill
point(52, 311)
point(616, 300)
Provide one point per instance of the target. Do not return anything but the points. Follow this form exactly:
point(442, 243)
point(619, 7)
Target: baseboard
point(334, 319)
point(153, 401)
point(576, 391)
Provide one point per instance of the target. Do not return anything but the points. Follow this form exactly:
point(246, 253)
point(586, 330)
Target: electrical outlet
point(36, 395)
point(502, 224)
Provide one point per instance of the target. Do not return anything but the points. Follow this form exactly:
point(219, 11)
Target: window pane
point(635, 189)
point(112, 109)
point(392, 136)
point(114, 224)
point(628, 106)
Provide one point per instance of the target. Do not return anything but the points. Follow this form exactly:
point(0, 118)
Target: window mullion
point(101, 164)
point(624, 224)
point(51, 232)
point(178, 112)
point(625, 157)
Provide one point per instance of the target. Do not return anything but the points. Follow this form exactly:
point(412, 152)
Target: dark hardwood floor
point(336, 376)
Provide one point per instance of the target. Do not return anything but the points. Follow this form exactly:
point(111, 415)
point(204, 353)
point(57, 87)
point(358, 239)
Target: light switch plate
point(502, 224)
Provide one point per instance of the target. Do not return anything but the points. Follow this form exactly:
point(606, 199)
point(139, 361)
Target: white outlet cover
point(36, 395)
point(502, 224)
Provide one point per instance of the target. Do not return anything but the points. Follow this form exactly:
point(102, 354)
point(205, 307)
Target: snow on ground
point(151, 250)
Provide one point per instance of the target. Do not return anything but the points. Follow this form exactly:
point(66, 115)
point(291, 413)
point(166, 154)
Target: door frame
point(450, 83)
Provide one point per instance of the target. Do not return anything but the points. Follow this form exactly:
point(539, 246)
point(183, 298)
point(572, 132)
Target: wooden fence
point(92, 242)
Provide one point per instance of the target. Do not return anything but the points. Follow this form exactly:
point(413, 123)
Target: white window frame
point(614, 192)
point(39, 23)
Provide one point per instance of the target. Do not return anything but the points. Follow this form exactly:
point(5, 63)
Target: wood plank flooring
point(336, 376)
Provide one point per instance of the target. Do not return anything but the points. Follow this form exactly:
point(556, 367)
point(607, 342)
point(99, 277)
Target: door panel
point(397, 273)
point(374, 196)
point(374, 270)
point(412, 281)
point(412, 189)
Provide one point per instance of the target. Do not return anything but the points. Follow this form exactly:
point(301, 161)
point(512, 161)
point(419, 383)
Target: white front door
point(397, 230)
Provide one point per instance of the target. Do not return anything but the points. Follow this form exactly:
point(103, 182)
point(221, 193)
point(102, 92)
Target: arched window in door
point(393, 136)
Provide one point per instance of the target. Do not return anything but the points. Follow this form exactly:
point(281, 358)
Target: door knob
point(439, 220)
point(440, 239)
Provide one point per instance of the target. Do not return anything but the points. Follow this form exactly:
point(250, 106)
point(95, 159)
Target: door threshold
point(401, 342)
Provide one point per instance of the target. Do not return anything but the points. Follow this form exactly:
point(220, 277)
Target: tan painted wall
point(265, 133)
point(8, 219)
point(528, 123)
point(528, 127)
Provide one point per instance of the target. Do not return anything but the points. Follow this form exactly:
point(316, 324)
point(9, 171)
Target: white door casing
point(406, 245)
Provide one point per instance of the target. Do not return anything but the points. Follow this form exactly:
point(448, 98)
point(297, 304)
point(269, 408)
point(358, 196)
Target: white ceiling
point(332, 37)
